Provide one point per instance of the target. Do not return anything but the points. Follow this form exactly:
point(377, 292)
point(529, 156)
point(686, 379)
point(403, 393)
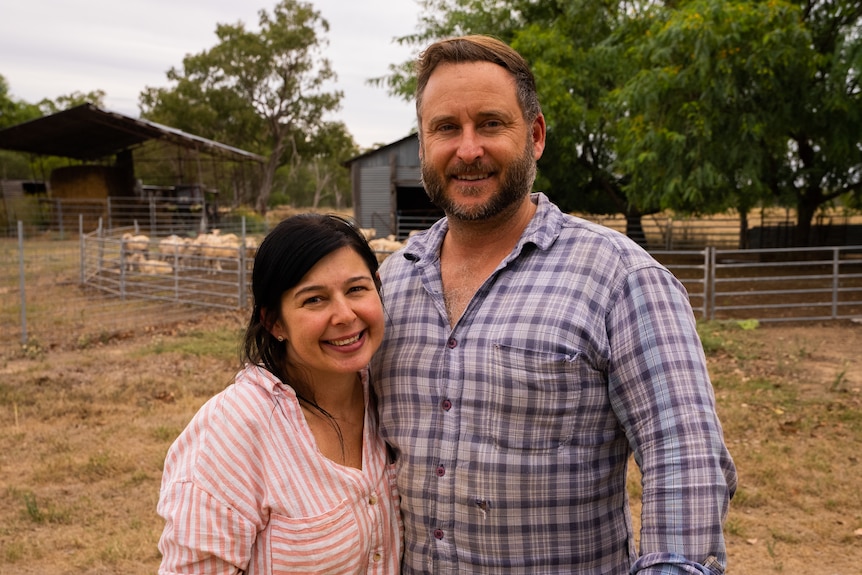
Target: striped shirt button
point(372, 499)
point(377, 556)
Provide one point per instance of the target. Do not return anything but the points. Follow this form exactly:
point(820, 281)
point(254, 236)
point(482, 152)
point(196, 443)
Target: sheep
point(384, 246)
point(251, 245)
point(214, 247)
point(148, 266)
point(132, 245)
point(173, 249)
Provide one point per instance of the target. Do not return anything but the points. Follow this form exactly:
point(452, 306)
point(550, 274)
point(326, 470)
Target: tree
point(739, 103)
point(693, 105)
point(14, 111)
point(257, 90)
point(562, 40)
point(315, 173)
point(96, 97)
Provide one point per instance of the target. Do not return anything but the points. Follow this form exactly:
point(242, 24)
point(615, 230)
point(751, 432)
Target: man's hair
point(479, 48)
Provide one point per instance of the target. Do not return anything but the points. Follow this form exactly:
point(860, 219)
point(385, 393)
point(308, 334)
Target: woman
point(283, 471)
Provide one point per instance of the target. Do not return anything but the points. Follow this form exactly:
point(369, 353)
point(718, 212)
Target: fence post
point(22, 283)
point(100, 260)
point(241, 275)
point(709, 281)
point(153, 215)
point(81, 241)
point(836, 259)
point(123, 265)
point(60, 219)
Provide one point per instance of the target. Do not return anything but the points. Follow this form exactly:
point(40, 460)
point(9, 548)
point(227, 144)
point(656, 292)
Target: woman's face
point(332, 320)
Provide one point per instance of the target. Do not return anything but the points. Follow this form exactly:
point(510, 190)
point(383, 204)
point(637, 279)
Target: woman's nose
point(342, 312)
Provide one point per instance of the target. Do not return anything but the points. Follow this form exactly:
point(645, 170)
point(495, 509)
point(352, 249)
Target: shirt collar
point(542, 231)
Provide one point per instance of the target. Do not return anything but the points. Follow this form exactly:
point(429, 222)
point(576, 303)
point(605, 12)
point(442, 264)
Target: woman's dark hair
point(287, 253)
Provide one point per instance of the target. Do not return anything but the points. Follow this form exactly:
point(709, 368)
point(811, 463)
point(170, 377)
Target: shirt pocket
point(328, 543)
point(533, 397)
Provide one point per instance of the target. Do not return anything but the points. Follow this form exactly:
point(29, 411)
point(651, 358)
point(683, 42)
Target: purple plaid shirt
point(513, 430)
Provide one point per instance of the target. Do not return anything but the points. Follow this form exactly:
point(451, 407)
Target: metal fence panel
point(798, 284)
point(69, 286)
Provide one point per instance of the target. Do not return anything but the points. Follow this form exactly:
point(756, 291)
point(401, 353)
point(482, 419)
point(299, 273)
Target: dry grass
point(83, 433)
point(83, 436)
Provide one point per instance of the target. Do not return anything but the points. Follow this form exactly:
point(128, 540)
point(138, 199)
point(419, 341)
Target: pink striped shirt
point(246, 490)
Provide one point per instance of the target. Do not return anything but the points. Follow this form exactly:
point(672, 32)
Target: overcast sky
point(50, 48)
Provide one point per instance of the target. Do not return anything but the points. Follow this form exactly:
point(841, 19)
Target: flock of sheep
point(381, 246)
point(208, 251)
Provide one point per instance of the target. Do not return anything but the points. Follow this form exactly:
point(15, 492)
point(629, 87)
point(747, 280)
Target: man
point(529, 353)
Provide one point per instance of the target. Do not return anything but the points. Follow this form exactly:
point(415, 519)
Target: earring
point(279, 337)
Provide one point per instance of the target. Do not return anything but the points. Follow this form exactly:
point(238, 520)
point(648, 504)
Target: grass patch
point(220, 344)
point(40, 512)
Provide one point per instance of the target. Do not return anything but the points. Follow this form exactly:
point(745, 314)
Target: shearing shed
point(387, 190)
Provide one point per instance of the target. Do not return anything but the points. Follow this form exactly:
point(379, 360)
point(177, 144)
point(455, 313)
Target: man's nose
point(470, 147)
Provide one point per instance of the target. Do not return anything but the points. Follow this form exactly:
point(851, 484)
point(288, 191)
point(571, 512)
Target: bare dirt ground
point(84, 430)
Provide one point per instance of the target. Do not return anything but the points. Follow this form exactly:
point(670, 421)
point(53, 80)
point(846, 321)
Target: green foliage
point(254, 222)
point(13, 112)
point(96, 97)
point(705, 113)
point(260, 91)
point(316, 174)
point(696, 106)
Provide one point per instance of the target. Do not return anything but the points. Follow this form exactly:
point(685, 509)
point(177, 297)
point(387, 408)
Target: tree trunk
point(743, 229)
point(262, 203)
point(805, 209)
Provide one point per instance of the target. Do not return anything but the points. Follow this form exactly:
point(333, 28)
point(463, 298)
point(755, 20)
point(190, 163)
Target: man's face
point(478, 154)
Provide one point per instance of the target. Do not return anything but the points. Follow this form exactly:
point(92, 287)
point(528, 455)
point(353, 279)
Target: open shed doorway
point(414, 210)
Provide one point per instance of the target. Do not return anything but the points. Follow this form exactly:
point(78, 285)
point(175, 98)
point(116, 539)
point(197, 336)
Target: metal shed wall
point(375, 176)
point(374, 210)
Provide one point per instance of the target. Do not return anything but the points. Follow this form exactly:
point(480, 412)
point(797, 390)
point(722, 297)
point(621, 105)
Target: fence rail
point(175, 271)
point(799, 284)
point(771, 285)
point(58, 287)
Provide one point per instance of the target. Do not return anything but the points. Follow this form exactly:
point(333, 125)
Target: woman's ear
point(275, 328)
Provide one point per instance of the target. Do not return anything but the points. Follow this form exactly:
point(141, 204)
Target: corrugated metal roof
point(347, 163)
point(87, 132)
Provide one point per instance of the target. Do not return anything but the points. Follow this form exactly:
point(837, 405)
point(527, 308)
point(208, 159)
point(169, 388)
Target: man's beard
point(517, 182)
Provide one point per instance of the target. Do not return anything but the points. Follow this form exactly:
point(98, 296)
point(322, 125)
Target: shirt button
point(452, 343)
point(372, 499)
point(441, 471)
point(376, 557)
point(446, 405)
point(438, 533)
